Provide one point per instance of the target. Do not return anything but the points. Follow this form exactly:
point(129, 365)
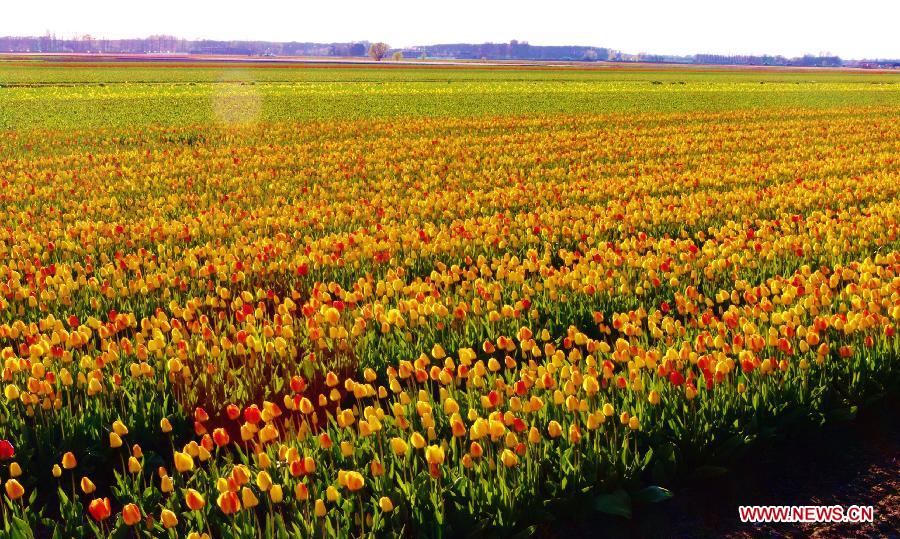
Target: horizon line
point(81, 39)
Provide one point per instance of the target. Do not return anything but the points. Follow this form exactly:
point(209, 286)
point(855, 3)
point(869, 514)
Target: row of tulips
point(529, 417)
point(458, 324)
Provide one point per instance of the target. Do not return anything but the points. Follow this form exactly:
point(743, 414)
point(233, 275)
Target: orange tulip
point(14, 490)
point(68, 461)
point(194, 500)
point(131, 514)
point(229, 502)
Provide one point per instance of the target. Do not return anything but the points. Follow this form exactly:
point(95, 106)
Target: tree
point(378, 51)
point(397, 56)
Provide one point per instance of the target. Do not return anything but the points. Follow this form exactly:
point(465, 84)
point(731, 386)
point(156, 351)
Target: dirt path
point(853, 463)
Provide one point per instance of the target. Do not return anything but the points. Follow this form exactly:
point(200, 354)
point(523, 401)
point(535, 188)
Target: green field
point(53, 95)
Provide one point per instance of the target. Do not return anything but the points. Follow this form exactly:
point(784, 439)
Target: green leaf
point(21, 529)
point(617, 503)
point(652, 494)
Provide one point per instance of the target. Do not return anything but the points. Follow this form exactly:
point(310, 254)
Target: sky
point(851, 29)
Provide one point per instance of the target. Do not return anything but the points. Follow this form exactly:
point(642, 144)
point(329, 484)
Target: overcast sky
point(851, 29)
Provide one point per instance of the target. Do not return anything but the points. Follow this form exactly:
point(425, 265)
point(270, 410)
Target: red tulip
point(7, 451)
point(298, 384)
point(100, 509)
point(233, 412)
point(520, 388)
point(252, 414)
point(221, 437)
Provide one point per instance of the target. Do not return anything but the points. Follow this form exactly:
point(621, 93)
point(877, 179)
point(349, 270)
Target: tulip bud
point(276, 493)
point(87, 486)
point(68, 461)
point(248, 498)
point(119, 428)
point(131, 514)
point(320, 508)
point(114, 440)
point(168, 518)
point(263, 481)
point(183, 462)
point(194, 500)
point(14, 489)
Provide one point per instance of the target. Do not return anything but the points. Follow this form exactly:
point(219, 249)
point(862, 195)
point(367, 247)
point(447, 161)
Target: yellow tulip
point(119, 428)
point(11, 392)
point(417, 441)
point(320, 508)
point(263, 481)
point(114, 440)
point(434, 455)
point(276, 493)
point(183, 462)
point(168, 518)
point(399, 446)
point(248, 498)
point(355, 481)
point(509, 459)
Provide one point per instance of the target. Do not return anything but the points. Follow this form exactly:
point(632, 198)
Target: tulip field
point(424, 302)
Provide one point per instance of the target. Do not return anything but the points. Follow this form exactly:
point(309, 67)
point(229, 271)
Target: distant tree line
point(169, 44)
point(514, 50)
point(802, 61)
